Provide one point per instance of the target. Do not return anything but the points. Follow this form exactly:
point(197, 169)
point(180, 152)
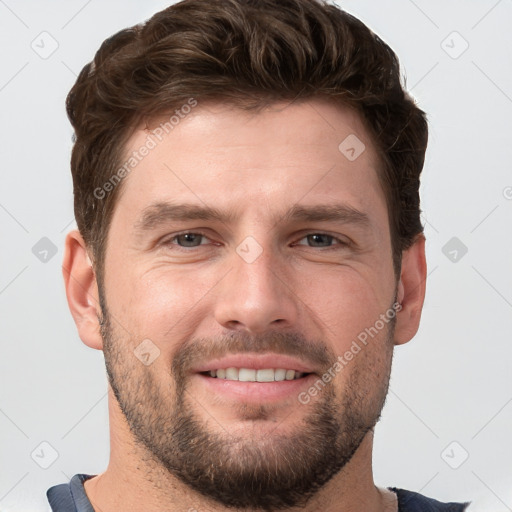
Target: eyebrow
point(161, 213)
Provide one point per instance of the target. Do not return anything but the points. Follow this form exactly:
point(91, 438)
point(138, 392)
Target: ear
point(411, 291)
point(82, 290)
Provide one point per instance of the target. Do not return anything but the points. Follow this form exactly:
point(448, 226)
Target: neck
point(133, 481)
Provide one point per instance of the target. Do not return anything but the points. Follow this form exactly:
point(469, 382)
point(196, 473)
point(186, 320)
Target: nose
point(257, 296)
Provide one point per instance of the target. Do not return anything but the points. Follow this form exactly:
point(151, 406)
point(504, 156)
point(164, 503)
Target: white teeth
point(253, 375)
point(232, 373)
point(290, 374)
point(266, 375)
point(247, 375)
point(279, 374)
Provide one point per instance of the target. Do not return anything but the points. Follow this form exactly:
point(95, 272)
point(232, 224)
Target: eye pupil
point(320, 238)
point(189, 239)
point(194, 239)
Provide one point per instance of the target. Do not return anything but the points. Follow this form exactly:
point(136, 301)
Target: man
point(249, 253)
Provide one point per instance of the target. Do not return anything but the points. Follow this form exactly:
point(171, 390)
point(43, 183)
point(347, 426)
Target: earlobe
point(411, 291)
point(82, 290)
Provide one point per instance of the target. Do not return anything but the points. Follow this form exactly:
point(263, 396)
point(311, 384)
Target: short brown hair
point(249, 53)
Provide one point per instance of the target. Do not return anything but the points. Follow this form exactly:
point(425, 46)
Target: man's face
point(277, 283)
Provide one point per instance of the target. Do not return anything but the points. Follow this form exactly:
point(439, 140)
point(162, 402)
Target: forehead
point(229, 158)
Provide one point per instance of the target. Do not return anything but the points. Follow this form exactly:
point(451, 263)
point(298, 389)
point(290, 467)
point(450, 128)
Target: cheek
point(363, 367)
point(162, 304)
point(346, 301)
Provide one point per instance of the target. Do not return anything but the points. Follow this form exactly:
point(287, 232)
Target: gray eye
point(189, 239)
point(320, 240)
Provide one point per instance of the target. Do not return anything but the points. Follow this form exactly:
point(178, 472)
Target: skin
point(259, 165)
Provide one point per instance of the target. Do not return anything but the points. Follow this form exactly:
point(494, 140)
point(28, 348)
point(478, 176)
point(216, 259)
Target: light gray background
point(451, 383)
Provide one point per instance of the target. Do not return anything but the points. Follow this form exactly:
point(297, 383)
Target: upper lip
point(255, 361)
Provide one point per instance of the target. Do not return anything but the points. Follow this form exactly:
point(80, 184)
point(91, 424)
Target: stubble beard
point(276, 471)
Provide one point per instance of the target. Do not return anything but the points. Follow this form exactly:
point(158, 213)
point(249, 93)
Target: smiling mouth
point(255, 375)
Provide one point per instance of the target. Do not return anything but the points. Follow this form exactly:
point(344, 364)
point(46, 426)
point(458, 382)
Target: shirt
point(71, 497)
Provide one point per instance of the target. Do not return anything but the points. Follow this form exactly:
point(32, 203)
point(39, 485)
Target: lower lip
point(257, 392)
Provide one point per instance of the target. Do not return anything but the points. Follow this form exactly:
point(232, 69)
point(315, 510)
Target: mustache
point(317, 354)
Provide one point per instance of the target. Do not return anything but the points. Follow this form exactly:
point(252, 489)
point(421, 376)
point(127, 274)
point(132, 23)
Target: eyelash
point(340, 243)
